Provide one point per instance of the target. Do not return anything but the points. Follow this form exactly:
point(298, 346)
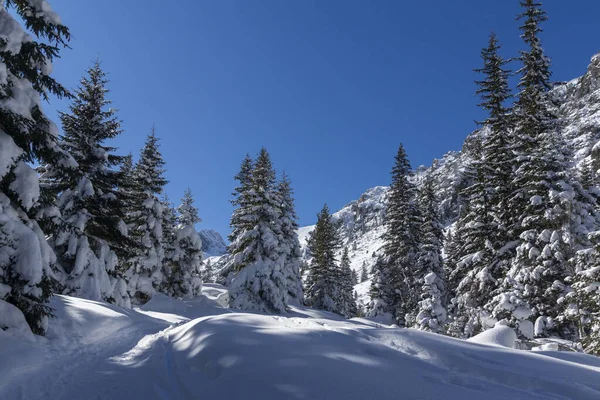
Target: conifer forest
point(475, 277)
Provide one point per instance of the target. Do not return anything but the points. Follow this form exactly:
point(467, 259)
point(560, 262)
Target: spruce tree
point(431, 315)
point(402, 222)
point(132, 194)
point(474, 276)
point(27, 136)
point(583, 303)
point(547, 205)
point(256, 256)
point(321, 288)
point(496, 157)
point(207, 272)
point(381, 292)
point(145, 271)
point(364, 275)
point(184, 279)
point(289, 243)
point(168, 245)
point(89, 203)
point(346, 300)
point(241, 200)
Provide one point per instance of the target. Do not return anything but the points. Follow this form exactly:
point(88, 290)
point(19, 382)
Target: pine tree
point(207, 272)
point(241, 200)
point(288, 240)
point(146, 271)
point(583, 303)
point(474, 276)
point(547, 206)
point(132, 194)
point(256, 257)
point(432, 313)
point(184, 279)
point(496, 156)
point(354, 277)
point(168, 244)
point(380, 292)
point(321, 289)
point(26, 136)
point(401, 238)
point(364, 275)
point(89, 203)
point(346, 300)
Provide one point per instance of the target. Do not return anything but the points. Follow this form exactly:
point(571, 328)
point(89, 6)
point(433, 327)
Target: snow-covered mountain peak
point(212, 243)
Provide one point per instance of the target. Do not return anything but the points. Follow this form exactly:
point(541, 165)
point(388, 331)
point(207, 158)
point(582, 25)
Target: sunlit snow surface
point(197, 349)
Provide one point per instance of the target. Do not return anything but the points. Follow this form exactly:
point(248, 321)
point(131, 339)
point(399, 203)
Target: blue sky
point(329, 87)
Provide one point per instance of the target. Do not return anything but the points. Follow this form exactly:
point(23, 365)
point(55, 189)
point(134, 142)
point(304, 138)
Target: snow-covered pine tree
point(583, 303)
point(145, 271)
point(380, 292)
point(346, 300)
point(496, 155)
point(184, 279)
point(90, 205)
point(168, 244)
point(364, 274)
point(431, 315)
point(321, 287)
point(256, 257)
point(289, 242)
point(547, 205)
point(240, 219)
point(241, 200)
point(473, 277)
point(207, 272)
point(354, 276)
point(26, 136)
point(402, 222)
point(132, 195)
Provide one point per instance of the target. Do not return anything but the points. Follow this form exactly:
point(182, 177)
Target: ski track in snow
point(180, 350)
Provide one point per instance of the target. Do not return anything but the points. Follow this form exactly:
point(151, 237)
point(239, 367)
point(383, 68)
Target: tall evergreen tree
point(432, 313)
point(289, 242)
point(207, 272)
point(26, 136)
point(321, 290)
point(168, 245)
point(496, 155)
point(381, 292)
point(474, 276)
point(132, 194)
point(364, 275)
point(402, 223)
point(241, 199)
point(256, 257)
point(87, 197)
point(145, 269)
point(184, 279)
point(547, 205)
point(345, 299)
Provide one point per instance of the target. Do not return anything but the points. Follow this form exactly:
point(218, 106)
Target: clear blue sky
point(329, 87)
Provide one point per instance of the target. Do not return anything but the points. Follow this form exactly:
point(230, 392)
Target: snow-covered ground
point(193, 349)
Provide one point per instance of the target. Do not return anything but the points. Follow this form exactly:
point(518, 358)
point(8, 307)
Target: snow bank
point(499, 335)
point(96, 350)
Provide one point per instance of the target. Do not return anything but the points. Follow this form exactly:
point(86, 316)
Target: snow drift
point(191, 349)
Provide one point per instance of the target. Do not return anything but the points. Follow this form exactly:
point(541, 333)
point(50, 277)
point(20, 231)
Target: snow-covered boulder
point(499, 335)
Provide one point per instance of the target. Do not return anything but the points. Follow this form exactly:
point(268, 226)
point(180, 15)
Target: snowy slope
point(196, 349)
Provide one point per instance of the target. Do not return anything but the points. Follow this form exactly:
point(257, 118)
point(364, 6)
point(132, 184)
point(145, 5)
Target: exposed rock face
point(212, 243)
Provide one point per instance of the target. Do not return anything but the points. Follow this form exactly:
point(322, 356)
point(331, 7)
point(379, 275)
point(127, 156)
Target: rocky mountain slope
point(212, 243)
point(577, 102)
